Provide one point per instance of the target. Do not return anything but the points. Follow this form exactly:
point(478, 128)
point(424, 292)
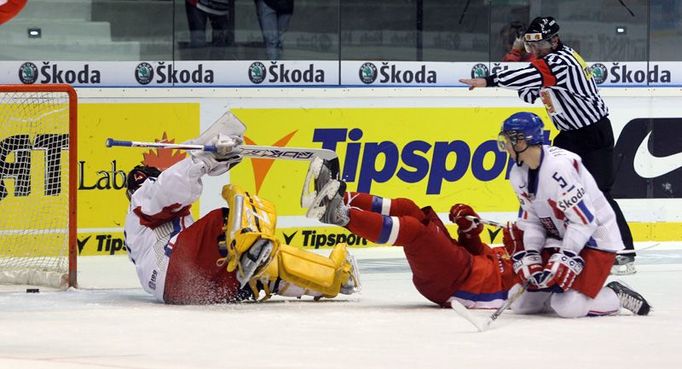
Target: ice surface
point(111, 323)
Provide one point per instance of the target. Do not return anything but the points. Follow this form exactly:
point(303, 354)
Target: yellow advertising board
point(434, 156)
point(102, 204)
point(34, 177)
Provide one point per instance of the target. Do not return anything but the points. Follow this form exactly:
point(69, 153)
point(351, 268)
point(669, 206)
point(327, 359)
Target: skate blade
point(626, 269)
point(316, 209)
point(307, 194)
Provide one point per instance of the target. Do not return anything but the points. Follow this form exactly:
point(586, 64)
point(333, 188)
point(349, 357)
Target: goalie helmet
point(523, 126)
point(137, 176)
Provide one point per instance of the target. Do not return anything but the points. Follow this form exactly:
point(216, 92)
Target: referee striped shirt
point(566, 74)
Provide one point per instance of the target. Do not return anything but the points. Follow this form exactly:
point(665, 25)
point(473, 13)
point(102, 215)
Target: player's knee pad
point(570, 304)
point(316, 274)
point(531, 302)
point(249, 233)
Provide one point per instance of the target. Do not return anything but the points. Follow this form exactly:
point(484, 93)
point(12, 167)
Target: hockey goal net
point(38, 179)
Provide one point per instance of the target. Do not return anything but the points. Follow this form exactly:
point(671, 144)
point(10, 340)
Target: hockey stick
point(485, 325)
point(251, 151)
point(510, 300)
point(484, 221)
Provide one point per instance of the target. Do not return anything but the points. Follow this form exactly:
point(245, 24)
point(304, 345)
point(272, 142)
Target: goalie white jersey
point(561, 205)
point(158, 212)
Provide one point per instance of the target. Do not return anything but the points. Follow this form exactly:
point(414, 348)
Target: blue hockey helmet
point(523, 126)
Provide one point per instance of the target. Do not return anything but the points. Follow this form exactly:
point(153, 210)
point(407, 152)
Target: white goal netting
point(36, 230)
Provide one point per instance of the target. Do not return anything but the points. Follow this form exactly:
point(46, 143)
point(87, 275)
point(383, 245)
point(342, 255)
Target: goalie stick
point(251, 151)
point(308, 194)
point(485, 325)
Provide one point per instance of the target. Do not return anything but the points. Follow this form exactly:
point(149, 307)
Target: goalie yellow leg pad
point(248, 211)
point(314, 272)
point(250, 219)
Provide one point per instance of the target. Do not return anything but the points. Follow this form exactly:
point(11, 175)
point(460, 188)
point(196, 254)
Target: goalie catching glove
point(226, 134)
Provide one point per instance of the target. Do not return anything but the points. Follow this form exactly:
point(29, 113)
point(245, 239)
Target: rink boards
point(436, 147)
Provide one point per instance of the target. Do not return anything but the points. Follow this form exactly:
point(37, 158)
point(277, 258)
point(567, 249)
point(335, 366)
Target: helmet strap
point(514, 143)
point(517, 152)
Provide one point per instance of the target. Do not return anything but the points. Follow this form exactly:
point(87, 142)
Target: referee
point(561, 79)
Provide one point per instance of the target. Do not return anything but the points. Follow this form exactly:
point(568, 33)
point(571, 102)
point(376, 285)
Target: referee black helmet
point(540, 29)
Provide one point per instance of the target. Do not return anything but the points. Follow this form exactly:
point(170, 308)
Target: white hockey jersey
point(561, 205)
point(158, 212)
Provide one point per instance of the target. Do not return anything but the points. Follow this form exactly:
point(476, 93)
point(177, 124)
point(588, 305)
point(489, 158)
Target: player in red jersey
point(443, 268)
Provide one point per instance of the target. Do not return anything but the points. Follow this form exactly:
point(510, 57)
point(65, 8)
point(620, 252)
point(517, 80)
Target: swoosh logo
point(647, 165)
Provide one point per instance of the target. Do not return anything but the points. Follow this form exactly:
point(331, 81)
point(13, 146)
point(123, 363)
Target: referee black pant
point(594, 144)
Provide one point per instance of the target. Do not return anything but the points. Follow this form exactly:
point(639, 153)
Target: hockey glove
point(512, 238)
point(458, 214)
point(528, 266)
point(562, 269)
point(226, 144)
point(224, 158)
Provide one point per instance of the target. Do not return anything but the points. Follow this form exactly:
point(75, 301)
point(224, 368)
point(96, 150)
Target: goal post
point(38, 185)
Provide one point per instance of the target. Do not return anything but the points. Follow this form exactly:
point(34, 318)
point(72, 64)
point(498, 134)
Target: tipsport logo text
point(411, 162)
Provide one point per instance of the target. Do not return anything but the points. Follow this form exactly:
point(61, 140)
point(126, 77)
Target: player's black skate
point(629, 299)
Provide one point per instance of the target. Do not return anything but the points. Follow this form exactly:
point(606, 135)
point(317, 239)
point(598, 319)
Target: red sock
point(382, 228)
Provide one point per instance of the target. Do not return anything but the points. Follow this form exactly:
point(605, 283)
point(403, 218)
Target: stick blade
point(462, 311)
